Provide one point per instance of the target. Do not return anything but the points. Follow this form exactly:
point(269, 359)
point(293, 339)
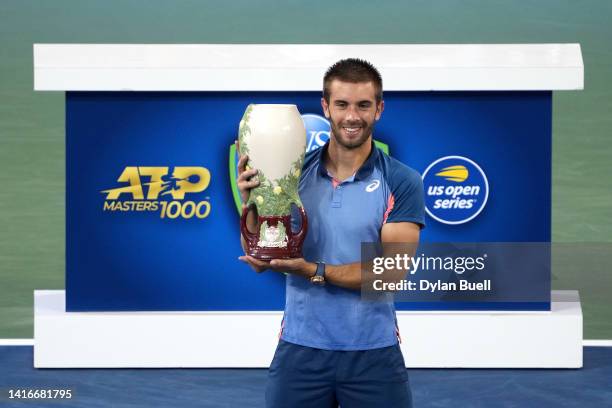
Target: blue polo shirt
point(340, 217)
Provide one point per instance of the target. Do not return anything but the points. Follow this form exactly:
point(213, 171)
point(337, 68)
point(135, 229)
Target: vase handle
point(248, 235)
point(299, 237)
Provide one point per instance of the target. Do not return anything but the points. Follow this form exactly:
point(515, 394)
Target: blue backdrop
point(137, 260)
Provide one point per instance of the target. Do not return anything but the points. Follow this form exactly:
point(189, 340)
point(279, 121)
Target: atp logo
point(163, 191)
point(456, 190)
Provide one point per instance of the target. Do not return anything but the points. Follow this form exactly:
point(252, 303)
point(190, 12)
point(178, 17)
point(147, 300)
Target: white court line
point(30, 342)
point(597, 343)
point(16, 342)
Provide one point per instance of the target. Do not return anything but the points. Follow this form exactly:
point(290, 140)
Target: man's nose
point(352, 114)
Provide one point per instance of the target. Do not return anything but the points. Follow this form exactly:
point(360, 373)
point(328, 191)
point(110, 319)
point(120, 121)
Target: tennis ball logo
point(317, 131)
point(456, 190)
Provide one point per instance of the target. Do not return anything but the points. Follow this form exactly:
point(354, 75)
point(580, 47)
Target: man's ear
point(379, 110)
point(325, 107)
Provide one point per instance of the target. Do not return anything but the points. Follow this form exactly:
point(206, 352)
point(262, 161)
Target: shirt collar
point(364, 171)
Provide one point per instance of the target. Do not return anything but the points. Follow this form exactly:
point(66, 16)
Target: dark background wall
point(32, 151)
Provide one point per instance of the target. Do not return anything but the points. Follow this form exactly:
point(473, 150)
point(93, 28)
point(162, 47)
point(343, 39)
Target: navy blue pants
point(307, 377)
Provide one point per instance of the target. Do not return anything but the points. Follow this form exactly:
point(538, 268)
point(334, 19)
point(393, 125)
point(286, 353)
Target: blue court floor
point(590, 386)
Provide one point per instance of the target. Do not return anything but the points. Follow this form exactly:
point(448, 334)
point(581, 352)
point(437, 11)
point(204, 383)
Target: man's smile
point(352, 130)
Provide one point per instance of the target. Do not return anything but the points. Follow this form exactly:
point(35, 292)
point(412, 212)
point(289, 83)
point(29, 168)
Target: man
point(336, 348)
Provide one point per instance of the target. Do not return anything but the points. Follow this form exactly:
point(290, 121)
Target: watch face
point(317, 280)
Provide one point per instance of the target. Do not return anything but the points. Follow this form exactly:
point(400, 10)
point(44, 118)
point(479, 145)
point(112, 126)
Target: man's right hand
point(246, 180)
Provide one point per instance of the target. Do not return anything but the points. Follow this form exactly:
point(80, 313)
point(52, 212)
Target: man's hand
point(246, 180)
point(297, 266)
point(255, 264)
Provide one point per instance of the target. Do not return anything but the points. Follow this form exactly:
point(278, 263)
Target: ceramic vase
point(274, 138)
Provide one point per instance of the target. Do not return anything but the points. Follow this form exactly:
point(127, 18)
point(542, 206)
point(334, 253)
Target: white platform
point(248, 339)
point(300, 67)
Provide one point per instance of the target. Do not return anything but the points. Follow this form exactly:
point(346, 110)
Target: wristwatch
point(319, 277)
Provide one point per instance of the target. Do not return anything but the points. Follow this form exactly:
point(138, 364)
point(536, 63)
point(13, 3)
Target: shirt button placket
point(337, 197)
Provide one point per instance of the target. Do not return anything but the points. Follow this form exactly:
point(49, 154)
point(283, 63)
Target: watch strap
point(320, 269)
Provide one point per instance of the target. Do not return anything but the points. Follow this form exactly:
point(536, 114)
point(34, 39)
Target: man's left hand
point(255, 264)
point(297, 266)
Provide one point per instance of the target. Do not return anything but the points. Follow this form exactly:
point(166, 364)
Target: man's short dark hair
point(353, 70)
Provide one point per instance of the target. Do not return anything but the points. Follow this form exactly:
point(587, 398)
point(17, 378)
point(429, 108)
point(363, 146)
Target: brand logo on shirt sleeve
point(372, 186)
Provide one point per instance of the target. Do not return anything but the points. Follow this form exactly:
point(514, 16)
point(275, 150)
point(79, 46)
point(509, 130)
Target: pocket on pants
point(397, 363)
point(279, 355)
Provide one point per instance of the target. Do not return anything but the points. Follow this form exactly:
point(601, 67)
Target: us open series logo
point(456, 190)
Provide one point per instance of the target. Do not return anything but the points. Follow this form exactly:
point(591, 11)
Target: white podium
point(248, 339)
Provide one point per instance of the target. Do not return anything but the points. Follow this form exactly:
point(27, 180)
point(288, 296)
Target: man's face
point(352, 111)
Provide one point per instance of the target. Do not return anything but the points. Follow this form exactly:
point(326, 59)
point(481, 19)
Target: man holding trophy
point(336, 348)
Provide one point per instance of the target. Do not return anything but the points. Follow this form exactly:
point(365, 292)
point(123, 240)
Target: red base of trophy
point(275, 239)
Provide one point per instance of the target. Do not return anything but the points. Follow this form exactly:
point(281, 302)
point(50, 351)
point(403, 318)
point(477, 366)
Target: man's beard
point(366, 131)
